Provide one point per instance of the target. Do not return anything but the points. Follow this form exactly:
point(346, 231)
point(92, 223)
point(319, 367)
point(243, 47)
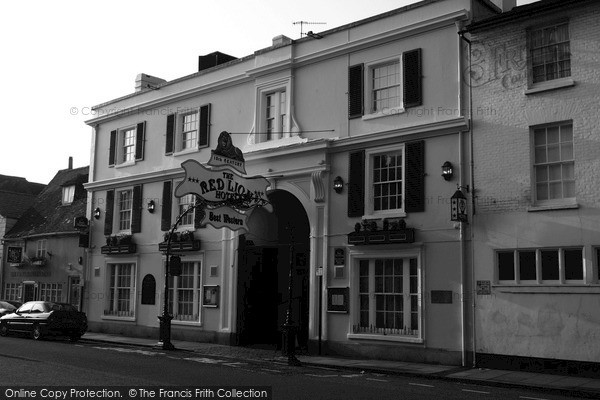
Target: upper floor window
point(549, 53)
point(554, 165)
point(275, 115)
point(389, 86)
point(125, 207)
point(41, 248)
point(184, 203)
point(127, 145)
point(188, 130)
point(385, 84)
point(385, 168)
point(68, 194)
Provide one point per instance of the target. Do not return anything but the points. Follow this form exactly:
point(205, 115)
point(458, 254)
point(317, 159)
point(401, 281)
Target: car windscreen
point(7, 306)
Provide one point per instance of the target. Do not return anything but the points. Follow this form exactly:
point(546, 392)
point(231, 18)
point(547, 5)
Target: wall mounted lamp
point(338, 184)
point(447, 170)
point(151, 206)
point(97, 213)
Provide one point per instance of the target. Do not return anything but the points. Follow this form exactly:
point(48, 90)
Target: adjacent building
point(45, 250)
point(534, 79)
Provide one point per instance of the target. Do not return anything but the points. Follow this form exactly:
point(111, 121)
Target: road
point(54, 362)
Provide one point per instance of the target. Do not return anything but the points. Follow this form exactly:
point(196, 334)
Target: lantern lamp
point(338, 184)
point(458, 207)
point(447, 170)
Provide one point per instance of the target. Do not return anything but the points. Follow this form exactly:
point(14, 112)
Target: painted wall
point(539, 320)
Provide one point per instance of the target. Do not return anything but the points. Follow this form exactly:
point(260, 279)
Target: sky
point(60, 58)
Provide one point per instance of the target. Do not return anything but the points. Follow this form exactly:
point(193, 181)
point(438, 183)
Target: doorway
point(275, 243)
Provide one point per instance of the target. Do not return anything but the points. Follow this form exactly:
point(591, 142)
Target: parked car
point(15, 303)
point(41, 318)
point(6, 308)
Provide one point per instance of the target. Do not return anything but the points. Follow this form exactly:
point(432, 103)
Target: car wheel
point(4, 329)
point(36, 333)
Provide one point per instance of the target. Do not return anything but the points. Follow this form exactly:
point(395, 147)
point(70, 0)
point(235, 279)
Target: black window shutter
point(170, 136)
point(415, 177)
point(112, 150)
point(108, 217)
point(165, 222)
point(136, 212)
point(355, 91)
point(203, 136)
point(413, 93)
point(356, 184)
point(140, 134)
point(198, 214)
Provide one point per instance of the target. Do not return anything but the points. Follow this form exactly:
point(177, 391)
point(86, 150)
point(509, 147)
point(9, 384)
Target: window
point(275, 115)
point(184, 293)
point(125, 208)
point(12, 291)
point(385, 84)
point(554, 165)
point(184, 203)
point(51, 292)
point(389, 297)
point(188, 130)
point(388, 86)
point(189, 135)
point(41, 248)
point(121, 290)
point(128, 149)
point(127, 145)
point(386, 176)
point(538, 266)
point(68, 194)
point(549, 53)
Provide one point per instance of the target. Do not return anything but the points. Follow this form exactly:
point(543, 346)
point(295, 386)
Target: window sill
point(273, 144)
point(186, 151)
point(125, 164)
point(553, 207)
point(185, 323)
point(550, 85)
point(385, 214)
point(387, 338)
point(384, 113)
point(565, 288)
point(116, 318)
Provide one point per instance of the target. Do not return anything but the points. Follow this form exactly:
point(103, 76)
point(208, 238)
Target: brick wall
point(503, 113)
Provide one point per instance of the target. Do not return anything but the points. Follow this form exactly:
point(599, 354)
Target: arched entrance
point(276, 242)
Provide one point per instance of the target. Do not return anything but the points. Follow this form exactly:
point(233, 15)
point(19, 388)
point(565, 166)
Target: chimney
point(505, 5)
point(145, 82)
point(70, 162)
point(281, 40)
point(213, 59)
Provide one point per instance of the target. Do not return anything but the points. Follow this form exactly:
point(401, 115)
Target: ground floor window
point(121, 290)
point(544, 265)
point(51, 292)
point(389, 297)
point(12, 292)
point(184, 293)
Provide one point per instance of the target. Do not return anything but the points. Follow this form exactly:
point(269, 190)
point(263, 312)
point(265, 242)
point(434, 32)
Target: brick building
point(536, 141)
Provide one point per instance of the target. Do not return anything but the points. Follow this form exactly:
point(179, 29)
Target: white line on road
point(420, 384)
point(532, 398)
point(321, 376)
point(270, 370)
point(377, 380)
point(351, 376)
point(475, 391)
point(235, 364)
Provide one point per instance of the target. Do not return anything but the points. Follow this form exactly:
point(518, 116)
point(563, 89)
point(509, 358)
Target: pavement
point(563, 384)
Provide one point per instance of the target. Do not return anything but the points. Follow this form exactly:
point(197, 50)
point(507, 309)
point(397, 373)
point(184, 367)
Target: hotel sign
point(230, 197)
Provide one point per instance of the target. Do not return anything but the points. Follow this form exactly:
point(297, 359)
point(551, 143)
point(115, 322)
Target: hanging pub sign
point(14, 256)
point(229, 197)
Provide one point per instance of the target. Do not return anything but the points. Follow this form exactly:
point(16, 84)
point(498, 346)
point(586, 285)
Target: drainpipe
point(472, 213)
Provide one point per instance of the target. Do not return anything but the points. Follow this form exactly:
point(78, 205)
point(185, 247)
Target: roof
point(530, 10)
point(48, 214)
point(17, 195)
point(422, 3)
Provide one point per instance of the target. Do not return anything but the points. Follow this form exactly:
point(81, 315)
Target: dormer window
point(68, 194)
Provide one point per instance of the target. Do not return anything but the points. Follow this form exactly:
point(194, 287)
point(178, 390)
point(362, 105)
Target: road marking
point(420, 384)
point(123, 350)
point(377, 380)
point(235, 364)
point(203, 360)
point(270, 370)
point(321, 376)
point(532, 398)
point(351, 376)
point(475, 391)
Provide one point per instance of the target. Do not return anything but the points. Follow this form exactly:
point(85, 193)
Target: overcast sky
point(59, 58)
